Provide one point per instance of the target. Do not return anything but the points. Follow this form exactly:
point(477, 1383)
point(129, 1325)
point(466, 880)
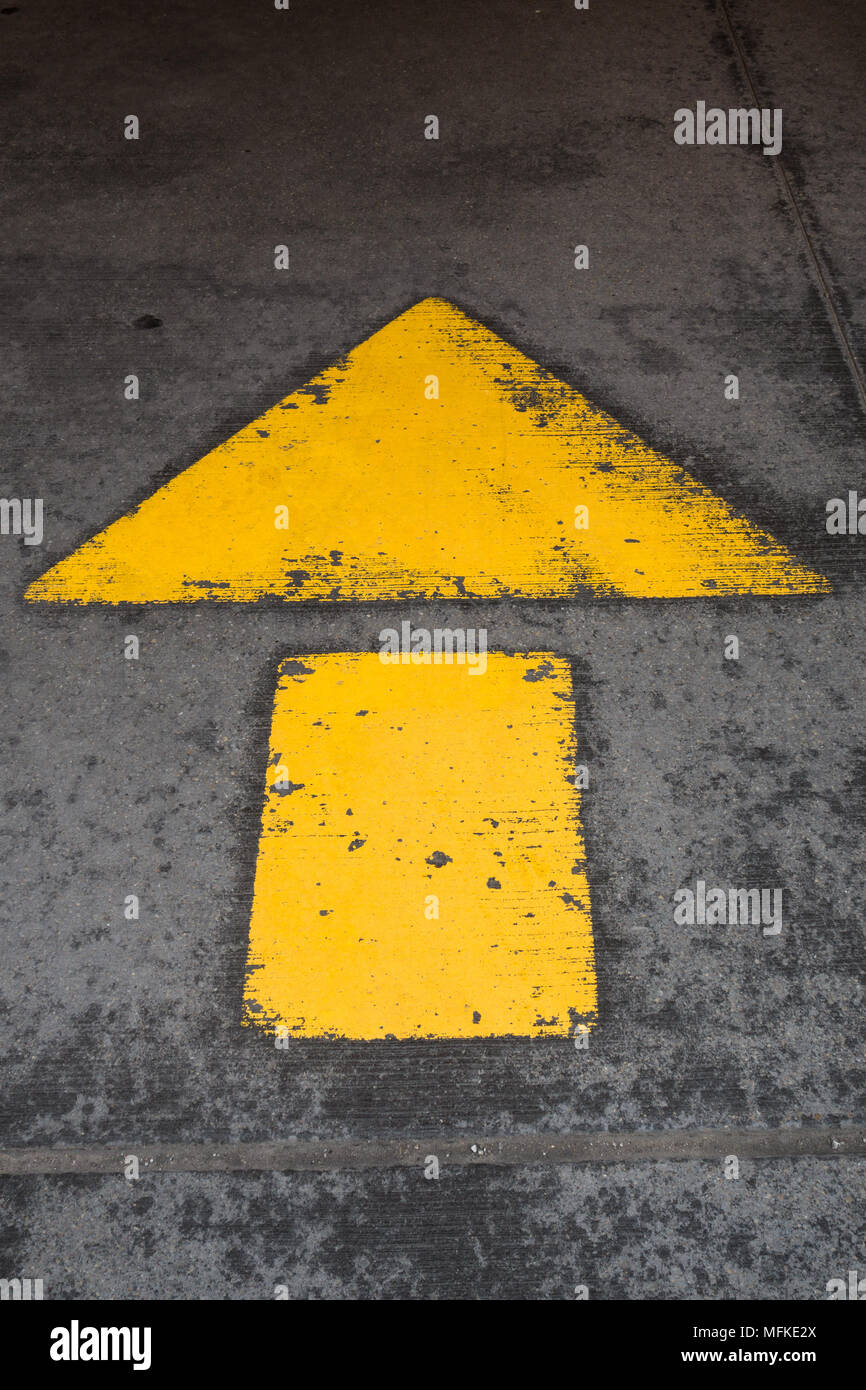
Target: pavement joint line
point(823, 282)
point(530, 1150)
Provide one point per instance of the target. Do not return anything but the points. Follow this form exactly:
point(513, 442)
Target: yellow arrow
point(435, 460)
point(421, 865)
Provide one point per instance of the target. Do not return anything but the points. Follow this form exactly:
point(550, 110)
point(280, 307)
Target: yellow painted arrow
point(421, 862)
point(435, 460)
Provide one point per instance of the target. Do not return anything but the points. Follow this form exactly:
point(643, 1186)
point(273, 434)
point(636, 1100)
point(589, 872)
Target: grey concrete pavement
point(812, 59)
point(661, 1232)
point(306, 127)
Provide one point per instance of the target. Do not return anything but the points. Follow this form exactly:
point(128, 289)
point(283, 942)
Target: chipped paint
point(391, 494)
point(448, 788)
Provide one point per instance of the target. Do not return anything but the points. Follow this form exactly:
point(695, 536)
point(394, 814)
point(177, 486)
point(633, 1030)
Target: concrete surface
point(306, 127)
point(781, 1232)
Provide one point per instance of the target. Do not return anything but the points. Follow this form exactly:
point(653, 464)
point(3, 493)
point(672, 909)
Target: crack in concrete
point(779, 169)
point(533, 1150)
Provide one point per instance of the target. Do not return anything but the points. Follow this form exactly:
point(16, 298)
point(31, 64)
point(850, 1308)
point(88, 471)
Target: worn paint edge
point(546, 1150)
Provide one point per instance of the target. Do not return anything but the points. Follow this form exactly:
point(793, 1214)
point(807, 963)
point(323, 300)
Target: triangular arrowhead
point(435, 460)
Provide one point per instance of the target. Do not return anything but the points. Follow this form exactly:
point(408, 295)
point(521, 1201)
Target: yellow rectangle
point(421, 867)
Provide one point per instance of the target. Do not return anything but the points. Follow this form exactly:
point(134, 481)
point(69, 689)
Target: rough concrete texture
point(663, 1231)
point(306, 127)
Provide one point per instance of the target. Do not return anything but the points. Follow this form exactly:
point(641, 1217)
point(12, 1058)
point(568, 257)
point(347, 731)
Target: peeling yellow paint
point(367, 484)
point(396, 792)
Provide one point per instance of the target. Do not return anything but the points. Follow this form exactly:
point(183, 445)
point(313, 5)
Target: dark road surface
point(261, 127)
